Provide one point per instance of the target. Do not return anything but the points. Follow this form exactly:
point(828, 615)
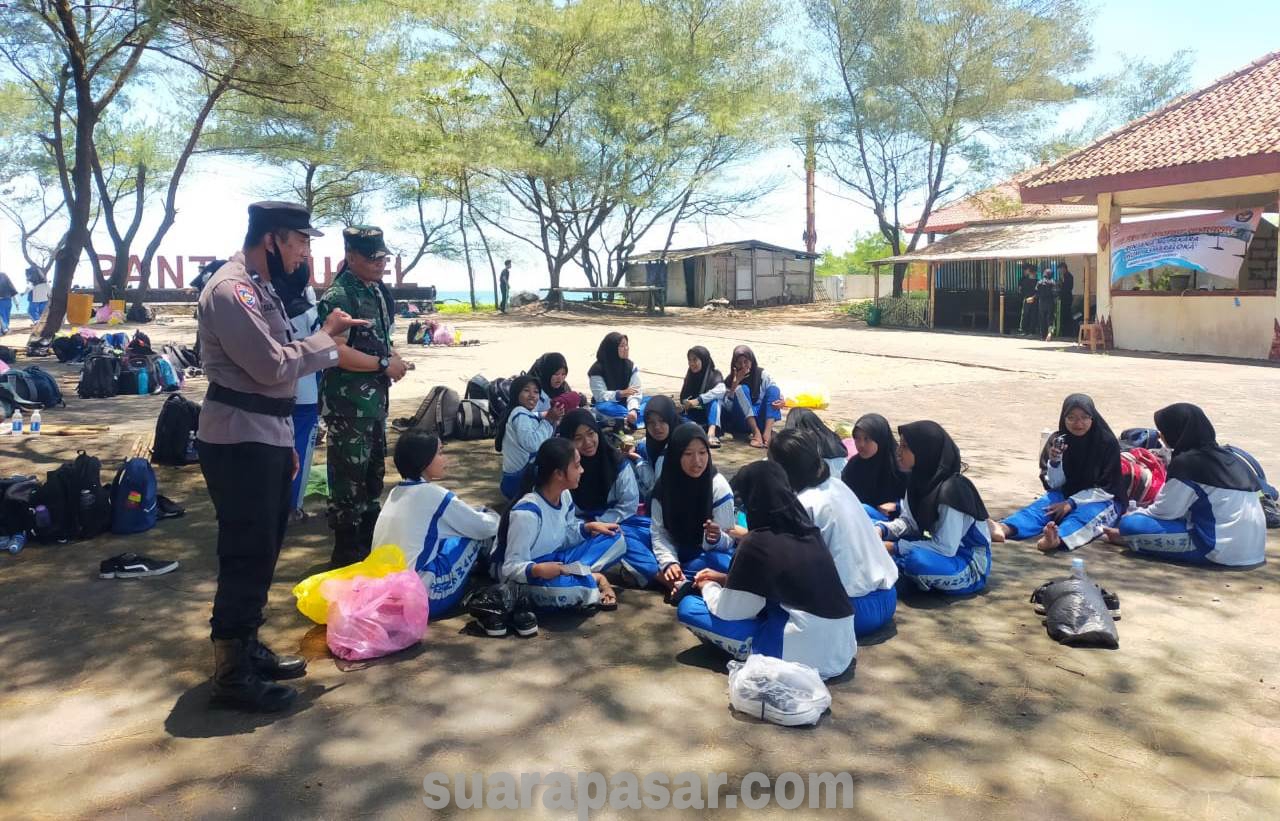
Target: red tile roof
point(1228, 129)
point(1000, 203)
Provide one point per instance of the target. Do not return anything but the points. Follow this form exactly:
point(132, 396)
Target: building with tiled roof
point(1000, 203)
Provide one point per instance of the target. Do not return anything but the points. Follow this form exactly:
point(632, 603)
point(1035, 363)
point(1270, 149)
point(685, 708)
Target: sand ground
point(966, 709)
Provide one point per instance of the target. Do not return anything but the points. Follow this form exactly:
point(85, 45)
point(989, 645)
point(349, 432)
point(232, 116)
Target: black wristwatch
point(383, 364)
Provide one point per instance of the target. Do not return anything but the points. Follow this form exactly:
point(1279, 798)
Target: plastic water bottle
point(34, 429)
point(15, 543)
point(15, 421)
point(1077, 569)
point(143, 387)
point(192, 454)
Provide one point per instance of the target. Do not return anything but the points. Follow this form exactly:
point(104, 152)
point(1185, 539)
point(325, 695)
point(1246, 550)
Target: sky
point(215, 194)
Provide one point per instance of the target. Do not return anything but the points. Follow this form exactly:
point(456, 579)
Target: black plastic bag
point(1076, 615)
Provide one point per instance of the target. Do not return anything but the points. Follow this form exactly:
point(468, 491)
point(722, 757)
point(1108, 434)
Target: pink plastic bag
point(369, 618)
point(442, 335)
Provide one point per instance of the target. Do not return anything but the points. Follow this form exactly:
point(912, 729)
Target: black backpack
point(415, 332)
point(178, 421)
point(499, 408)
point(474, 420)
point(143, 362)
point(181, 356)
point(477, 388)
point(16, 508)
point(438, 414)
point(99, 375)
point(7, 356)
point(20, 387)
point(47, 391)
point(79, 507)
point(69, 348)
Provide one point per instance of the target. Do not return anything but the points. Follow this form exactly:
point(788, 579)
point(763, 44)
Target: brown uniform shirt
point(246, 344)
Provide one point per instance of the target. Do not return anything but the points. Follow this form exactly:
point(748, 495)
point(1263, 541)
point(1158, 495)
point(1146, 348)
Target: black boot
point(271, 665)
point(346, 546)
point(236, 684)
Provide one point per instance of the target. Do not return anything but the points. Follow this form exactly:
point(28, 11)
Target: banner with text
point(1215, 243)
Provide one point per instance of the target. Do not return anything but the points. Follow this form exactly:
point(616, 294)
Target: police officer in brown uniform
point(245, 441)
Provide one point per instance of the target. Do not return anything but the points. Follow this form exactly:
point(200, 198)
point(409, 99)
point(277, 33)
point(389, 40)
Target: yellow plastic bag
point(808, 396)
point(381, 561)
point(844, 430)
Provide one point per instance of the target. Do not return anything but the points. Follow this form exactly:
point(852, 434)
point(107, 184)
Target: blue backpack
point(134, 505)
point(169, 380)
point(47, 391)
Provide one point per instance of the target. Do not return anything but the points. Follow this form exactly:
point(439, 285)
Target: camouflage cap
point(365, 240)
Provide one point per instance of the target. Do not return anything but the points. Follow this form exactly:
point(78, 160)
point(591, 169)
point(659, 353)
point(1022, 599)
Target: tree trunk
point(466, 254)
point(899, 275)
point(488, 252)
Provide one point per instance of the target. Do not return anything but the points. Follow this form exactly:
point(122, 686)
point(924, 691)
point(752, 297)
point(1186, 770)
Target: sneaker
point(493, 625)
point(133, 566)
point(524, 622)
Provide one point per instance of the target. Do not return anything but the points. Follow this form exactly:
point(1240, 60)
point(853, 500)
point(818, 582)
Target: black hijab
point(935, 480)
point(1092, 460)
point(876, 481)
point(600, 471)
point(1197, 456)
point(686, 502)
point(663, 407)
point(829, 445)
point(696, 384)
point(615, 370)
point(546, 366)
point(753, 378)
point(292, 290)
point(783, 559)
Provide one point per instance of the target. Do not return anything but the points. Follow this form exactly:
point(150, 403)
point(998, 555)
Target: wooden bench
point(1094, 336)
point(655, 298)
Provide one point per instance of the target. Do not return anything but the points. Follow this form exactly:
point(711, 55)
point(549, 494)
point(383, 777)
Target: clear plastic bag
point(777, 691)
point(369, 618)
point(381, 561)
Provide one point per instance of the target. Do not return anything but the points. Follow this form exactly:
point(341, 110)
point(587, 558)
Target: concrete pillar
point(1108, 218)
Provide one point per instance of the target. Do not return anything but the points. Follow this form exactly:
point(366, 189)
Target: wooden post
point(1002, 313)
point(1090, 263)
point(992, 267)
point(1108, 218)
point(875, 283)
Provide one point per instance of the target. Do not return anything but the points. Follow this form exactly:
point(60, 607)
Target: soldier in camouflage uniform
point(353, 395)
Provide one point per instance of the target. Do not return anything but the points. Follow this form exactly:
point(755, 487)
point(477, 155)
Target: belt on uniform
point(251, 402)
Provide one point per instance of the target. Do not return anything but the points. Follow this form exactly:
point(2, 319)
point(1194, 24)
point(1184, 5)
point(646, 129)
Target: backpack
point(438, 414)
point(69, 348)
point(474, 419)
point(499, 408)
point(99, 376)
point(415, 332)
point(7, 355)
point(142, 362)
point(177, 423)
point(47, 391)
point(168, 375)
point(79, 507)
point(16, 510)
point(477, 388)
point(140, 344)
point(21, 387)
point(181, 356)
point(138, 313)
point(117, 340)
point(1145, 473)
point(133, 497)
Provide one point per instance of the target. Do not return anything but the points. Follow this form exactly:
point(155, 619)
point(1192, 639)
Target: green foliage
point(452, 308)
point(866, 247)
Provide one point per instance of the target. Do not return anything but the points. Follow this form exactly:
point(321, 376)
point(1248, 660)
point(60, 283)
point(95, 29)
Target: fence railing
point(903, 311)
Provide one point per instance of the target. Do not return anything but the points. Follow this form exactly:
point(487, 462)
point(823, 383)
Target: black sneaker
point(493, 625)
point(524, 623)
point(133, 566)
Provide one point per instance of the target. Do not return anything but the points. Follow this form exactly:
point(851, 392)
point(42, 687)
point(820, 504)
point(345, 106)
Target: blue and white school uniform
point(836, 464)
point(741, 405)
point(712, 407)
point(716, 556)
point(624, 501)
point(306, 408)
point(955, 559)
point(441, 537)
point(866, 569)
point(538, 531)
point(609, 403)
point(1092, 509)
point(1198, 524)
point(526, 431)
point(647, 472)
point(780, 600)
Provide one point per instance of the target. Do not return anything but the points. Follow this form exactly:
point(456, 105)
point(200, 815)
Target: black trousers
point(502, 302)
point(251, 487)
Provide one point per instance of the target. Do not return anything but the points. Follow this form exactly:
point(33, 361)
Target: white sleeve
point(599, 393)
point(663, 548)
point(624, 498)
point(646, 478)
point(633, 401)
point(530, 433)
point(723, 514)
point(947, 533)
point(1055, 476)
point(1172, 502)
point(716, 394)
point(727, 603)
point(469, 522)
point(522, 535)
point(901, 526)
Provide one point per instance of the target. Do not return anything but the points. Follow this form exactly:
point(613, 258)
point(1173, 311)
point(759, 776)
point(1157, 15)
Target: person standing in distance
point(504, 285)
point(245, 442)
point(354, 395)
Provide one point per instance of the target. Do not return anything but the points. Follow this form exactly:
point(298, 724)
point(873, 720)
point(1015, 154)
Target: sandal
point(608, 606)
point(713, 442)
